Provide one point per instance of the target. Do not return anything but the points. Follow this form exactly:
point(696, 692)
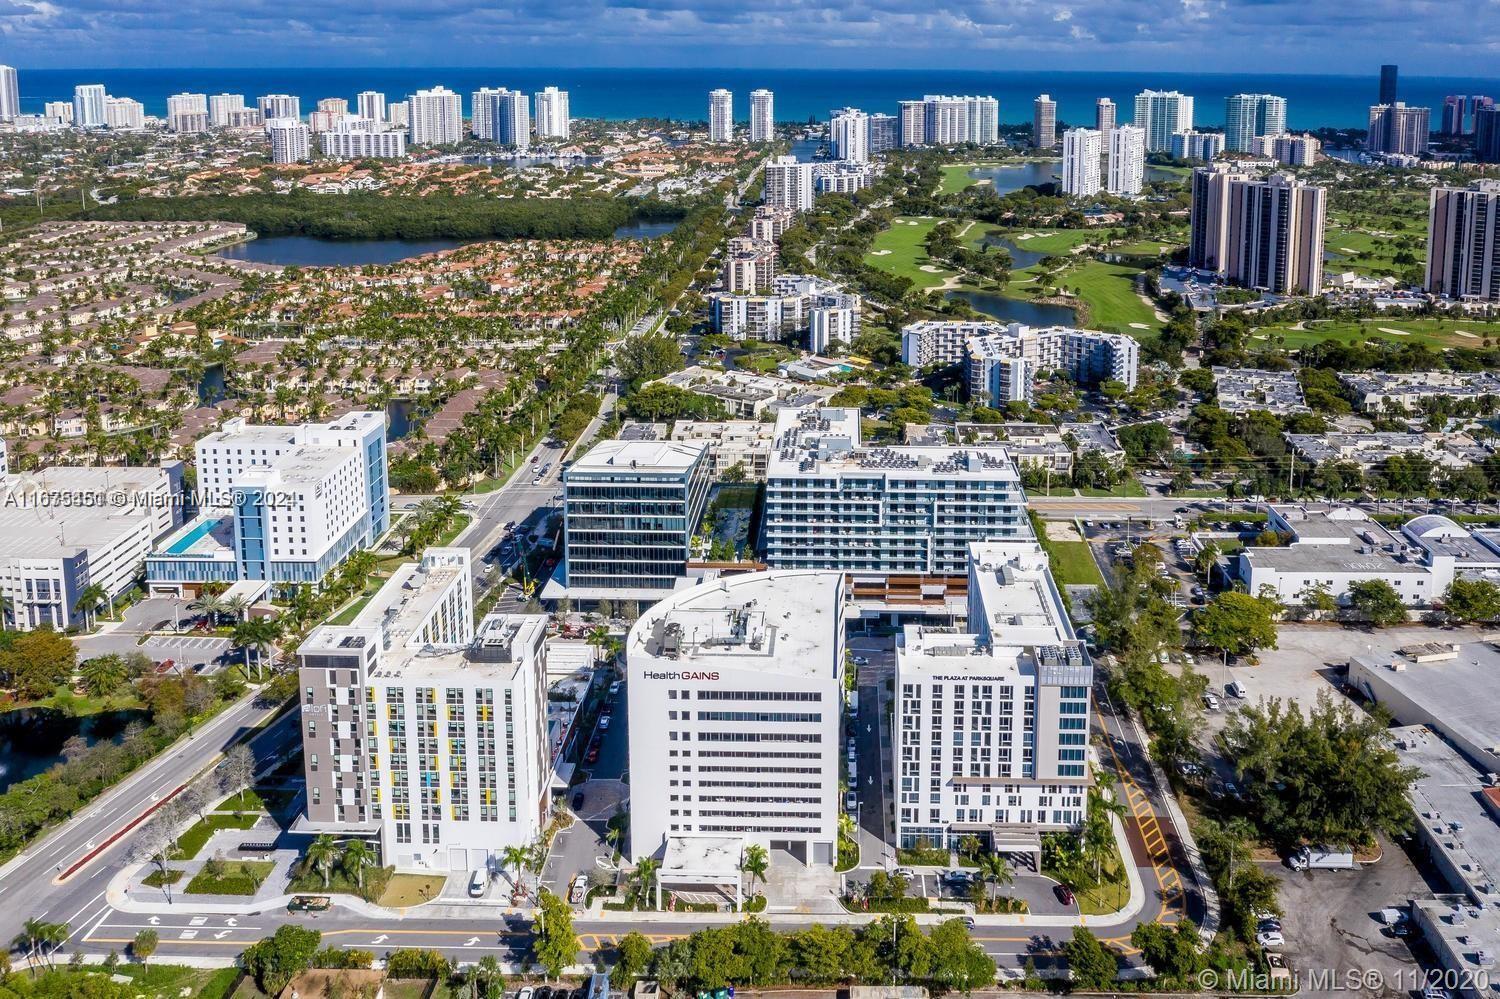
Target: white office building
point(630, 510)
point(291, 140)
point(121, 113)
point(1251, 116)
point(282, 504)
point(1082, 149)
point(88, 105)
point(552, 115)
point(833, 502)
point(349, 143)
point(762, 116)
point(849, 134)
point(993, 722)
point(1127, 160)
point(423, 730)
point(1003, 360)
point(789, 183)
point(274, 106)
point(736, 702)
point(371, 105)
point(222, 107)
point(51, 551)
point(436, 117)
point(10, 94)
point(1162, 114)
point(720, 116)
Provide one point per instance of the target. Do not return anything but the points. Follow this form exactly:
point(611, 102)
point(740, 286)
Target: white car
point(861, 661)
point(1270, 938)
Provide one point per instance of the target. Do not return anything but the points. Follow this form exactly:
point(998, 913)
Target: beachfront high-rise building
point(1081, 149)
point(88, 105)
point(1455, 114)
point(400, 115)
point(1127, 160)
point(1487, 134)
point(913, 123)
point(984, 120)
point(1249, 116)
point(58, 112)
point(371, 105)
point(762, 116)
point(553, 119)
point(720, 116)
point(1104, 116)
point(1265, 234)
point(1399, 129)
point(273, 106)
point(1388, 92)
point(352, 139)
point(885, 133)
point(120, 113)
point(421, 726)
point(1044, 122)
point(221, 107)
point(291, 140)
point(849, 134)
point(187, 112)
point(10, 93)
point(789, 184)
point(513, 123)
point(437, 117)
point(947, 120)
point(483, 113)
point(1463, 242)
point(1162, 114)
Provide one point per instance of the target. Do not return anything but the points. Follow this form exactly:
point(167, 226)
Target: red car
point(1064, 894)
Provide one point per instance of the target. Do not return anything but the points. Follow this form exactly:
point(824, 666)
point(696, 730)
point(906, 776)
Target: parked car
point(851, 802)
point(577, 801)
point(1064, 894)
point(478, 881)
point(309, 903)
point(1270, 938)
point(604, 723)
point(904, 872)
point(956, 877)
point(968, 922)
point(861, 661)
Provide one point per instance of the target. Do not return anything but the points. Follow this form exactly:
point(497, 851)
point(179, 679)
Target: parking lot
point(1039, 892)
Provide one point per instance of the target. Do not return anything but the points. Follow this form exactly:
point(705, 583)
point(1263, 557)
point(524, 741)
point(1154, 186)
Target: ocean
point(1312, 101)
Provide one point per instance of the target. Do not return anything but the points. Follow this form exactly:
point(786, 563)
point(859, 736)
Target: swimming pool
point(192, 537)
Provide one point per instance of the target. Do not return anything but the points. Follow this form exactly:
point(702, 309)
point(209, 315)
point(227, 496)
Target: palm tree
point(996, 870)
point(89, 599)
point(321, 853)
point(1098, 831)
point(103, 674)
point(755, 863)
point(516, 858)
point(645, 874)
point(356, 857)
point(209, 606)
point(259, 634)
point(234, 606)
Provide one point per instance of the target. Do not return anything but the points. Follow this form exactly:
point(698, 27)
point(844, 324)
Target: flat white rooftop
point(663, 456)
point(305, 465)
point(826, 441)
point(1012, 582)
point(60, 532)
point(703, 856)
point(780, 621)
point(405, 600)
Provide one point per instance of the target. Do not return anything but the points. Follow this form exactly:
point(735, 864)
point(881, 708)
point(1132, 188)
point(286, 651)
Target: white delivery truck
point(1322, 858)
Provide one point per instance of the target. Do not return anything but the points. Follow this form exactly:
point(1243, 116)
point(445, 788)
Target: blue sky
point(1432, 37)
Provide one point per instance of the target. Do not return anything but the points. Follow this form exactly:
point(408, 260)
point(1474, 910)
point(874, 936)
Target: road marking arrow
point(222, 934)
point(231, 921)
point(471, 941)
point(380, 939)
point(154, 921)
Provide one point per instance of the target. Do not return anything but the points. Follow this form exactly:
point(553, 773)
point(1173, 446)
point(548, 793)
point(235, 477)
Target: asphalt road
point(62, 877)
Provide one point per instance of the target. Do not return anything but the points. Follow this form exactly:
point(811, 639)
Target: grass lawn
point(247, 800)
point(1073, 563)
point(238, 878)
point(899, 250)
point(174, 979)
point(190, 842)
point(156, 879)
point(1130, 486)
point(956, 178)
point(404, 988)
point(1437, 333)
point(1053, 241)
point(410, 889)
point(1109, 290)
point(1106, 898)
point(1147, 247)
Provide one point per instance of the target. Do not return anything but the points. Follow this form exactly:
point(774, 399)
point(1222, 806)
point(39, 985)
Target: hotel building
point(736, 697)
point(834, 503)
point(282, 504)
point(992, 724)
point(423, 730)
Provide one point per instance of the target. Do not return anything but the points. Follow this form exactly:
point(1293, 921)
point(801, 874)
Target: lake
point(308, 251)
point(1009, 177)
point(1011, 310)
point(31, 739)
point(644, 230)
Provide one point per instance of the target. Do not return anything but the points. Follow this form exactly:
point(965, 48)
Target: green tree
point(1092, 965)
point(1171, 951)
point(646, 358)
point(755, 862)
point(322, 853)
point(958, 963)
point(556, 944)
point(1235, 623)
point(356, 856)
point(103, 675)
point(277, 959)
point(144, 945)
point(1378, 602)
point(635, 955)
point(1472, 600)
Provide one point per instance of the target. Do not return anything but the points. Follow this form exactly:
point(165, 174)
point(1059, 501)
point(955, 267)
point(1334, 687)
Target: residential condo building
point(371, 105)
point(1463, 251)
point(1264, 234)
point(1162, 114)
point(1127, 160)
point(223, 107)
point(789, 184)
point(1081, 152)
point(1105, 113)
point(88, 105)
point(762, 116)
point(436, 117)
point(291, 140)
point(10, 94)
point(1251, 116)
point(552, 115)
point(885, 133)
point(274, 106)
point(1002, 359)
point(1398, 129)
point(1197, 145)
point(849, 135)
point(1044, 122)
point(720, 116)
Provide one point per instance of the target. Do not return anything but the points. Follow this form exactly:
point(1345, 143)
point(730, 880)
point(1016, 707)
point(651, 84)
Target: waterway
point(31, 739)
point(308, 251)
point(1009, 177)
point(1013, 310)
point(644, 230)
